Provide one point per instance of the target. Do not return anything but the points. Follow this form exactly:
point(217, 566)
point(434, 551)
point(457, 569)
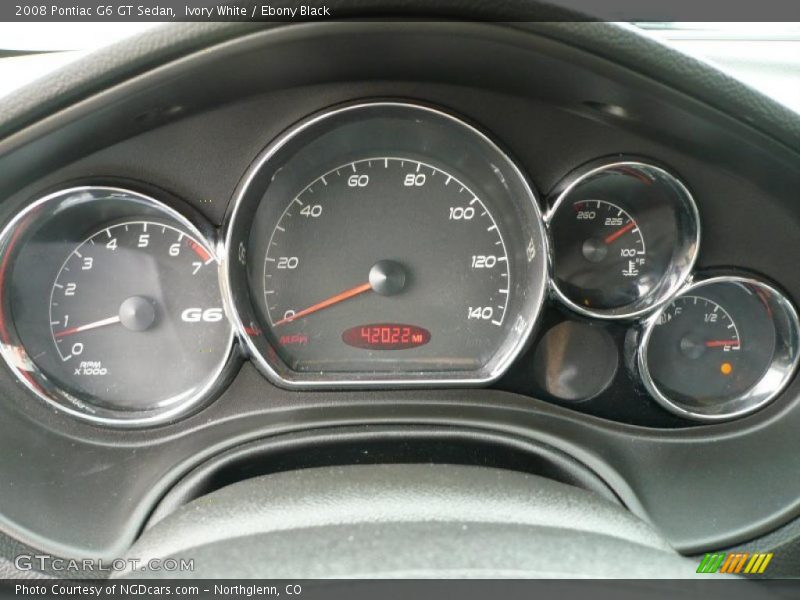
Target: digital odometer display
point(387, 242)
point(386, 336)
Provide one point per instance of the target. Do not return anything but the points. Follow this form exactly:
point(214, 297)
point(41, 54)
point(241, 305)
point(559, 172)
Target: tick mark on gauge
point(201, 252)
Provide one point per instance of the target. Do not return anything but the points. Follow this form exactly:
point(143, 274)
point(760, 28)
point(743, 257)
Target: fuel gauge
point(723, 348)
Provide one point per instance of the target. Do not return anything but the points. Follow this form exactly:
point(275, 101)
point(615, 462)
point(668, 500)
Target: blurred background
point(766, 56)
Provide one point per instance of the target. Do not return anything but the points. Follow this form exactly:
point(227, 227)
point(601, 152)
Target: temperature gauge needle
point(341, 297)
point(94, 325)
point(619, 232)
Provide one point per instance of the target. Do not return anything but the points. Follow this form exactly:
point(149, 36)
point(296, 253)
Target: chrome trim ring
point(685, 249)
point(774, 380)
point(248, 322)
point(36, 381)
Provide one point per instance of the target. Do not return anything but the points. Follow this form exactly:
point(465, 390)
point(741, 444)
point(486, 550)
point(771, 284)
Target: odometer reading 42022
point(396, 212)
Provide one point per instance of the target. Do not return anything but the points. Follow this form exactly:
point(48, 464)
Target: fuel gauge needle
point(721, 343)
point(88, 326)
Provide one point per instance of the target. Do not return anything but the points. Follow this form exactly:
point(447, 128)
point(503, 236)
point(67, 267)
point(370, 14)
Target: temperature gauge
point(624, 238)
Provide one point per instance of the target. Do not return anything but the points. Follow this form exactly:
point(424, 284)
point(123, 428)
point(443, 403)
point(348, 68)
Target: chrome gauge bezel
point(35, 380)
point(246, 316)
point(773, 381)
point(685, 248)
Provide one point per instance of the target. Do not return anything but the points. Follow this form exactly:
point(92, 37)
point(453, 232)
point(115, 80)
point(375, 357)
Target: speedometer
point(386, 243)
point(309, 268)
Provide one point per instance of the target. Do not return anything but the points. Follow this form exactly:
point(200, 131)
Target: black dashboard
point(404, 239)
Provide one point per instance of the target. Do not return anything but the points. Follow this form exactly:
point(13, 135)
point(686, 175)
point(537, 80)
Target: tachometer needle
point(721, 343)
point(94, 325)
point(619, 232)
point(341, 297)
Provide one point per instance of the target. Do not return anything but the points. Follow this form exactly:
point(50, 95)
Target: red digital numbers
point(386, 336)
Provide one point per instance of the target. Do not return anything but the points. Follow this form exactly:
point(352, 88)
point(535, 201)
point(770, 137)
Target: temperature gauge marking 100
point(386, 336)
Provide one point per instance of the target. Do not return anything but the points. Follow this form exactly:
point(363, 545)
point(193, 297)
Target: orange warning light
point(726, 368)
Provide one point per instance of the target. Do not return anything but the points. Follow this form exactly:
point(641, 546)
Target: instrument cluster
point(378, 244)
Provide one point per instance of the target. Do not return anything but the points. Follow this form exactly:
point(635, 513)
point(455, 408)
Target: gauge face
point(360, 245)
point(132, 298)
point(419, 257)
point(696, 350)
point(606, 267)
point(624, 237)
point(723, 348)
point(111, 307)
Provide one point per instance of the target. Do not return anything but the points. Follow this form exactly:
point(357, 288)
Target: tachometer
point(111, 306)
point(386, 243)
point(132, 298)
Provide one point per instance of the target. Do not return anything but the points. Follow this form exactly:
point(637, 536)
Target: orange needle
point(88, 326)
point(341, 297)
point(619, 232)
point(720, 343)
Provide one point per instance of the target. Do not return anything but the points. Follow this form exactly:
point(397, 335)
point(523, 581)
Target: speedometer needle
point(386, 278)
point(94, 325)
point(721, 343)
point(619, 232)
point(341, 297)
